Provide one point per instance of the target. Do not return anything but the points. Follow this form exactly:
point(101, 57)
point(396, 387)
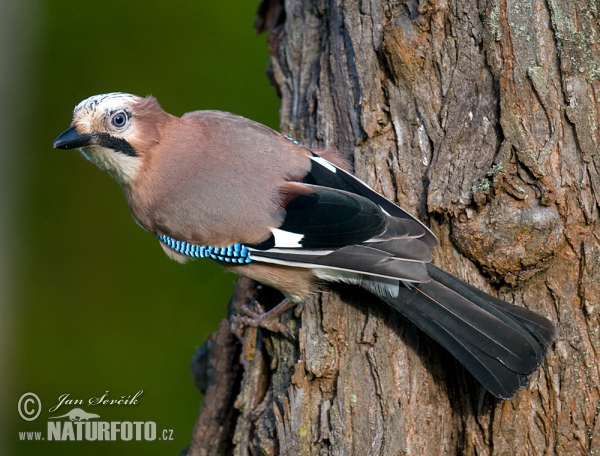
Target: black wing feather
point(352, 258)
point(343, 180)
point(333, 218)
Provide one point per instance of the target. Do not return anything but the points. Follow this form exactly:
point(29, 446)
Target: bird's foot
point(260, 319)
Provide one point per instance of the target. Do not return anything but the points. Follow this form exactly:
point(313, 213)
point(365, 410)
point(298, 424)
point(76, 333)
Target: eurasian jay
point(213, 184)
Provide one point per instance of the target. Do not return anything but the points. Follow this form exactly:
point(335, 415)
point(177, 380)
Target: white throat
point(122, 168)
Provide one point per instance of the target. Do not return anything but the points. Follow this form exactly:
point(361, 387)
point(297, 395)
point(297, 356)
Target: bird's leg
point(267, 320)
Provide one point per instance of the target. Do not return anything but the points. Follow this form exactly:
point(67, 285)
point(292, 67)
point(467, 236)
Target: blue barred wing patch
point(236, 253)
point(293, 140)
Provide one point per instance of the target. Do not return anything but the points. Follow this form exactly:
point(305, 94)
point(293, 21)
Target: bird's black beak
point(70, 139)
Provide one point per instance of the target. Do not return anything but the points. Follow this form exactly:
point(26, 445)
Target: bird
point(212, 184)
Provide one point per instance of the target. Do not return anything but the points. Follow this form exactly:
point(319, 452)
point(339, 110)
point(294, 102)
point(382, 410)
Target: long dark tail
point(499, 343)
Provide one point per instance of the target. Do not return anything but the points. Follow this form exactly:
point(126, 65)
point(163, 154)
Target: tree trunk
point(482, 119)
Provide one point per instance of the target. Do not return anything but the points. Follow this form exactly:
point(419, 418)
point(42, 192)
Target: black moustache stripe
point(117, 144)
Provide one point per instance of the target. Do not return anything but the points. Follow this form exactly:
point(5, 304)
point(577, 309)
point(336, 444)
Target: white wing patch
point(286, 239)
point(325, 163)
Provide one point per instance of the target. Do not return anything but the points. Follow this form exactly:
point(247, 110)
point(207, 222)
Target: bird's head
point(115, 131)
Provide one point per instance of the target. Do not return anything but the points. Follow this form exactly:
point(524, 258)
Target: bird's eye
point(119, 119)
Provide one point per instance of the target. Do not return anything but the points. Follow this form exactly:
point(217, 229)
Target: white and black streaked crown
point(108, 101)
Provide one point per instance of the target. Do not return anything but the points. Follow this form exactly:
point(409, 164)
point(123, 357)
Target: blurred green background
point(89, 301)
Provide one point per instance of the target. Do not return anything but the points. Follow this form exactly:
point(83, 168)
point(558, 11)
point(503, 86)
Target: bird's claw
point(260, 319)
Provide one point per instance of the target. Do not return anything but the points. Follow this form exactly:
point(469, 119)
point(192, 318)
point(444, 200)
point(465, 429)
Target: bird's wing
point(322, 217)
point(335, 222)
point(326, 174)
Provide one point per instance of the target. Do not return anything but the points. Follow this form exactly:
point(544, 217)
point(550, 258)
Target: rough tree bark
point(482, 118)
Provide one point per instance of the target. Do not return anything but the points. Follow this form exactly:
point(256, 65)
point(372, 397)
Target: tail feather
point(490, 372)
point(539, 327)
point(499, 343)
